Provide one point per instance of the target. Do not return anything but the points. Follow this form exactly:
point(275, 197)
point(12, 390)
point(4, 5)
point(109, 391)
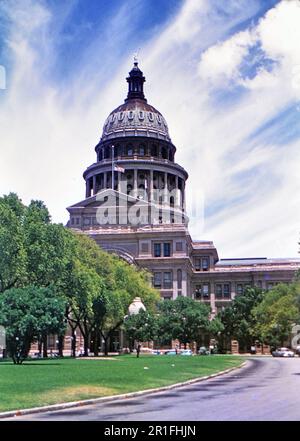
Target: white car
point(283, 352)
point(186, 352)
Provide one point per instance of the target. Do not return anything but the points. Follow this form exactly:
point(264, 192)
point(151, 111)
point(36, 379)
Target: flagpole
point(112, 167)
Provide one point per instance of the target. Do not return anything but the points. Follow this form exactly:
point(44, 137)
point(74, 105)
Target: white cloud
point(220, 63)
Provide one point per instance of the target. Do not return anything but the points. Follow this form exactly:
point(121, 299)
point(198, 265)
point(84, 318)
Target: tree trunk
point(45, 347)
point(61, 345)
point(4, 354)
point(86, 344)
point(96, 343)
point(73, 343)
point(106, 340)
point(40, 347)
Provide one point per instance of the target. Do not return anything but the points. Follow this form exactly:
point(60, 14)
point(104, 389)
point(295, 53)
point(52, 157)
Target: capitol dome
point(135, 117)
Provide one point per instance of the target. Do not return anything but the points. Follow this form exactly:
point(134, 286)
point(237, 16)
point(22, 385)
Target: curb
point(55, 407)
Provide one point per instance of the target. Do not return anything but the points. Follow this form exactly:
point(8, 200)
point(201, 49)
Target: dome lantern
point(135, 81)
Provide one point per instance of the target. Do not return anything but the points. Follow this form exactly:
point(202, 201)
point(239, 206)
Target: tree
point(276, 314)
point(129, 282)
point(85, 286)
point(12, 250)
point(141, 327)
point(27, 314)
point(237, 318)
point(184, 319)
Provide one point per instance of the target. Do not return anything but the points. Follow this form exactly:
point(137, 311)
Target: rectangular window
point(219, 291)
point(72, 221)
point(197, 264)
point(239, 289)
point(167, 280)
point(205, 290)
point(167, 249)
point(77, 220)
point(205, 264)
point(198, 292)
point(157, 250)
point(226, 290)
point(178, 246)
point(157, 280)
point(145, 248)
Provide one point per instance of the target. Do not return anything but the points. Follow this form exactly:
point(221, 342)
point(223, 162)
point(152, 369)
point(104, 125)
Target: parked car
point(171, 352)
point(283, 352)
point(186, 352)
point(155, 352)
point(203, 351)
point(298, 350)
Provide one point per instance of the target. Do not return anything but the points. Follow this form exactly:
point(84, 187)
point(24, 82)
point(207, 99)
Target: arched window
point(129, 189)
point(172, 201)
point(154, 150)
point(142, 150)
point(129, 150)
point(164, 153)
point(106, 152)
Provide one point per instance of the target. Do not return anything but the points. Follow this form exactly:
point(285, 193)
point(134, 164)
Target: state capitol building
point(135, 207)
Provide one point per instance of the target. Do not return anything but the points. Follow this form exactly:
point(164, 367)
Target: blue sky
point(226, 76)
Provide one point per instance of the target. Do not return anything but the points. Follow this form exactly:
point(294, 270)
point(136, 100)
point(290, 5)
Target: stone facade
point(135, 207)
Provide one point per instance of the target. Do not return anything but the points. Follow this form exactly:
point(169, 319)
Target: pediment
point(98, 199)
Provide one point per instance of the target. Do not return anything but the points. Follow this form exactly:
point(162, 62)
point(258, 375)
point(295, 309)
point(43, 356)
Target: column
point(184, 283)
point(94, 184)
point(212, 299)
point(175, 284)
point(105, 180)
point(119, 182)
point(183, 195)
point(166, 191)
point(88, 188)
point(176, 191)
point(135, 182)
point(151, 187)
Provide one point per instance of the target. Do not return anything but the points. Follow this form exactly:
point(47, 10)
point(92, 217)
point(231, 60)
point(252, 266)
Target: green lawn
point(42, 382)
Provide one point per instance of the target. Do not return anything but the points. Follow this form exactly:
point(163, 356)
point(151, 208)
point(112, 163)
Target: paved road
point(266, 389)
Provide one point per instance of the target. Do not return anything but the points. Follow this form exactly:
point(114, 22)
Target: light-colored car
point(283, 352)
point(186, 352)
point(171, 352)
point(203, 351)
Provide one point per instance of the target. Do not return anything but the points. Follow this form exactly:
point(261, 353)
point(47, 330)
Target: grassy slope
point(42, 382)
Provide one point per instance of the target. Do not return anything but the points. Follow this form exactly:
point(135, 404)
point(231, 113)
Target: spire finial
point(136, 57)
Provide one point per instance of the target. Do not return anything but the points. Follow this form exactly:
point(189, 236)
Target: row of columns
point(91, 186)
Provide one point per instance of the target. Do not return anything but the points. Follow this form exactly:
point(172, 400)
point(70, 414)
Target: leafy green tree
point(238, 320)
point(276, 314)
point(141, 327)
point(12, 250)
point(129, 282)
point(184, 319)
point(27, 314)
point(47, 245)
point(85, 286)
